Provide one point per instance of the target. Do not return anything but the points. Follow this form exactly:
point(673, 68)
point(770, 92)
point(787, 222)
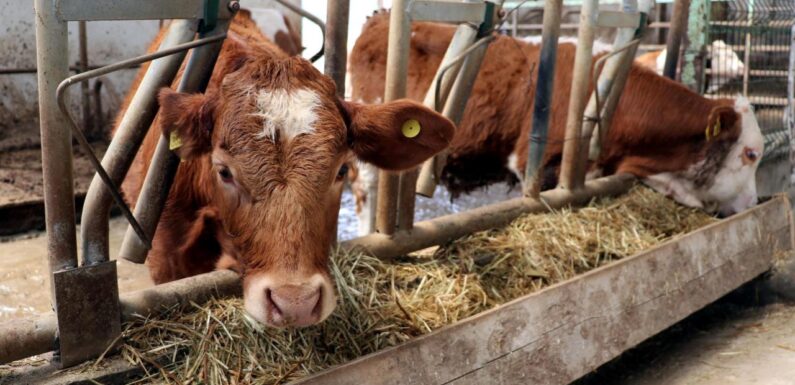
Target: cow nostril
point(271, 304)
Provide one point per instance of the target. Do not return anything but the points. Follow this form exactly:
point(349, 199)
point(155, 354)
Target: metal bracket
point(446, 11)
point(618, 19)
point(89, 321)
point(210, 16)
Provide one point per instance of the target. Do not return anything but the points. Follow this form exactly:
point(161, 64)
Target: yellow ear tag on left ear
point(716, 129)
point(411, 128)
point(174, 141)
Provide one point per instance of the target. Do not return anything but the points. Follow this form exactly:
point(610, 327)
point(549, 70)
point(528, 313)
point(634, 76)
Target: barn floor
point(734, 341)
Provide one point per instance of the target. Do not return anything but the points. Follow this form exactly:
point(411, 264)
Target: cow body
point(264, 153)
point(657, 134)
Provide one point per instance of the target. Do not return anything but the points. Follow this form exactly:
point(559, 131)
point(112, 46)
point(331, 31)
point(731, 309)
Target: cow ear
point(396, 135)
point(722, 124)
point(187, 121)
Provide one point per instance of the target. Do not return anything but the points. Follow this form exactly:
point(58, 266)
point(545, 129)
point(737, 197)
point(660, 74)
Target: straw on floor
point(383, 304)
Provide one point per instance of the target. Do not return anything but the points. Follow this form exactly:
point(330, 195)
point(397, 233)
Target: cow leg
point(196, 251)
point(365, 192)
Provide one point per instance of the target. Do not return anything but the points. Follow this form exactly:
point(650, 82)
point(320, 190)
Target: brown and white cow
point(701, 152)
point(263, 153)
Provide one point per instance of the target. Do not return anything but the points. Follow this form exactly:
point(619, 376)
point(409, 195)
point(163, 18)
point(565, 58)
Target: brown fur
point(658, 125)
point(278, 210)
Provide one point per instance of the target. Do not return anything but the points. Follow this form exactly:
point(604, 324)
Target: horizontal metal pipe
point(20, 339)
point(33, 70)
point(28, 337)
point(449, 227)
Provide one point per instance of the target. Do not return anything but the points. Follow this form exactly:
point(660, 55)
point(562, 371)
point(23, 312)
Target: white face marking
point(290, 113)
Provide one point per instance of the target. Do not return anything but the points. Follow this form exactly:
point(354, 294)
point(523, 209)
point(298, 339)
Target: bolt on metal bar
point(571, 176)
point(396, 72)
point(163, 167)
point(128, 137)
point(542, 105)
point(109, 183)
point(332, 7)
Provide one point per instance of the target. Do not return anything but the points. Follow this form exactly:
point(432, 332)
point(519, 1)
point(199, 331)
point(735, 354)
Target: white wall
point(108, 42)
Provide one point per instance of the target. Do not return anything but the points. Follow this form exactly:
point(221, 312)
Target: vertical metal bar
point(163, 168)
point(397, 70)
point(127, 139)
point(747, 53)
point(84, 88)
point(542, 105)
point(336, 49)
point(791, 84)
point(56, 140)
point(572, 176)
point(677, 30)
point(336, 42)
point(464, 37)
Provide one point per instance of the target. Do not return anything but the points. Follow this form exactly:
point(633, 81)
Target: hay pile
point(383, 304)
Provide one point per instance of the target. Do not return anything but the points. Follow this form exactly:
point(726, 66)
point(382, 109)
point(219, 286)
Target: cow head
point(274, 139)
point(724, 180)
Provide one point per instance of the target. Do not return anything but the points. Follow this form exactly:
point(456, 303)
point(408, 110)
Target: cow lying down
point(702, 153)
point(264, 152)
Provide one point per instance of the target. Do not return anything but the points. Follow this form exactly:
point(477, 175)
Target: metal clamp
point(81, 138)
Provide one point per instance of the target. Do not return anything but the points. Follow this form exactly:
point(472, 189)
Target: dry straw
point(383, 304)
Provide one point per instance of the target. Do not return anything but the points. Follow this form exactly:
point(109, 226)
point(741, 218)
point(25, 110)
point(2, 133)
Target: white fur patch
point(288, 113)
point(513, 165)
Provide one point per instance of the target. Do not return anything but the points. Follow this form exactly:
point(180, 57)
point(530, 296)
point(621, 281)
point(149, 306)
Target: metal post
point(571, 175)
point(336, 42)
point(127, 139)
point(163, 167)
point(56, 140)
point(747, 53)
point(464, 37)
point(396, 72)
point(677, 30)
point(542, 105)
point(693, 63)
point(85, 92)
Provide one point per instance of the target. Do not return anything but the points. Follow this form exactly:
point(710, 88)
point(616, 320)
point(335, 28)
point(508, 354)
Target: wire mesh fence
point(748, 54)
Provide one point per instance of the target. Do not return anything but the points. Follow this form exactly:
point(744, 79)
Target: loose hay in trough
point(383, 304)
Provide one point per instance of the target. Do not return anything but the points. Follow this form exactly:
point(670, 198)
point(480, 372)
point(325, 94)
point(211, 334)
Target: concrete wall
point(108, 42)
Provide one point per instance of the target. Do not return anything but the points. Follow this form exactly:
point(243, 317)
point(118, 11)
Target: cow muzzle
point(292, 303)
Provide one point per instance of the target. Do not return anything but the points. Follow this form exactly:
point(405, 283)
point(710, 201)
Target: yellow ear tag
point(411, 128)
point(174, 141)
point(716, 129)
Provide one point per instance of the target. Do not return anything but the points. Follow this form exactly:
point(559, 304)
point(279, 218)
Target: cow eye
point(225, 174)
point(751, 154)
point(342, 172)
